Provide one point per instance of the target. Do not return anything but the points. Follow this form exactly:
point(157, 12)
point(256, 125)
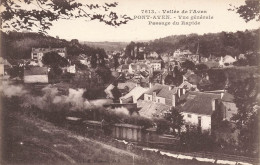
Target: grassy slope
point(35, 141)
point(29, 140)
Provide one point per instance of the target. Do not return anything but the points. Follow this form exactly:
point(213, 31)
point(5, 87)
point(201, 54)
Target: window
point(189, 115)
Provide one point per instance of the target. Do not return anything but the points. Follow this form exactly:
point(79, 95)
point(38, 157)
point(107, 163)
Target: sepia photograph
point(129, 82)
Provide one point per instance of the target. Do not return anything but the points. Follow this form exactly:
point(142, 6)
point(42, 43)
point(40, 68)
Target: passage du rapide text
point(174, 17)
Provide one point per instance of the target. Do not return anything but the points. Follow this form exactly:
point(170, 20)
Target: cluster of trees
point(132, 50)
point(55, 62)
point(246, 95)
point(40, 14)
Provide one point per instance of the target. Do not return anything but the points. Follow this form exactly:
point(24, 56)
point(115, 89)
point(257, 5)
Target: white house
point(136, 67)
point(156, 65)
point(71, 69)
point(226, 61)
point(198, 108)
point(154, 55)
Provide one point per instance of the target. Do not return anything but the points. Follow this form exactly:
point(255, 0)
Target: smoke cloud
point(10, 90)
point(51, 96)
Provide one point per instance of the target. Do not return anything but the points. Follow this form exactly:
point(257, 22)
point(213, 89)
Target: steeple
point(197, 52)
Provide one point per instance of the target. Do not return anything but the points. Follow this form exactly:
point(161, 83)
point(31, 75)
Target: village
point(174, 91)
point(129, 82)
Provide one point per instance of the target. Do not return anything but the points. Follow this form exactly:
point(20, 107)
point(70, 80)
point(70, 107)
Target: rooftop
point(198, 102)
point(162, 91)
point(151, 109)
point(136, 92)
point(227, 97)
point(36, 71)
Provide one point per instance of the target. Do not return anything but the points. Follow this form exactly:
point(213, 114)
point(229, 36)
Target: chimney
point(150, 85)
point(213, 103)
point(221, 95)
point(183, 91)
point(173, 100)
point(179, 92)
point(154, 96)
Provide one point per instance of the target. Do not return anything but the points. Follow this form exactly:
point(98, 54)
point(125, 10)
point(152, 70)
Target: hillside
point(217, 44)
point(108, 46)
point(17, 45)
point(30, 140)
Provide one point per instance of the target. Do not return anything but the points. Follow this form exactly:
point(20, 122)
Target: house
point(133, 95)
point(156, 65)
point(37, 53)
point(178, 53)
point(4, 66)
point(158, 100)
point(151, 109)
point(71, 69)
point(124, 88)
point(137, 67)
point(154, 55)
point(186, 86)
point(194, 57)
point(226, 61)
point(197, 109)
point(36, 75)
point(163, 94)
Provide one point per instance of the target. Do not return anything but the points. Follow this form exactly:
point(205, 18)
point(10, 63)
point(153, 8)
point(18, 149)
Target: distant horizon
point(140, 39)
point(166, 36)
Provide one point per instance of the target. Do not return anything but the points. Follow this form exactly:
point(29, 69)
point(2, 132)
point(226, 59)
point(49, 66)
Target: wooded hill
point(18, 45)
point(217, 44)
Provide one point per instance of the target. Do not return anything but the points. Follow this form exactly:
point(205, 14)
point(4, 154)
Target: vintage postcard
point(129, 82)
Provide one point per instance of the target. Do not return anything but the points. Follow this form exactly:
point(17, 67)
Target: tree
point(249, 11)
point(188, 65)
point(53, 59)
point(178, 78)
point(116, 62)
point(129, 50)
point(246, 119)
point(176, 119)
point(104, 73)
point(31, 14)
point(93, 61)
point(202, 67)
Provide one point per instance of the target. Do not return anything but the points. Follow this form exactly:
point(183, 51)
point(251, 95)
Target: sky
point(139, 29)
